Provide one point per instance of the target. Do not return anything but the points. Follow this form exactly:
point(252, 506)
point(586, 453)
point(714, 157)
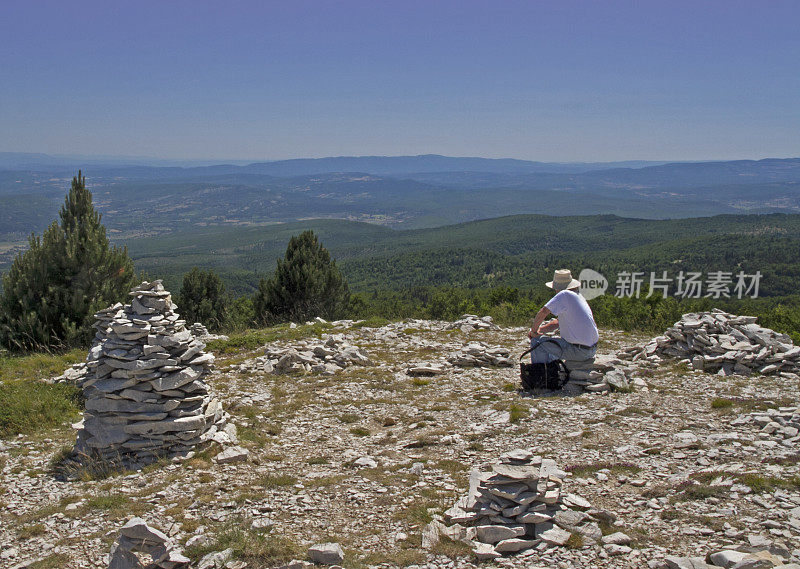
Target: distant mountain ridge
point(397, 191)
point(427, 163)
point(378, 165)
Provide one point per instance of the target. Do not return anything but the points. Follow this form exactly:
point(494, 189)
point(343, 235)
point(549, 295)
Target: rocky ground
point(366, 456)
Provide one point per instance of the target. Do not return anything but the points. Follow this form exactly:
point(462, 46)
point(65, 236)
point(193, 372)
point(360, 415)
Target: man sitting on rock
point(574, 320)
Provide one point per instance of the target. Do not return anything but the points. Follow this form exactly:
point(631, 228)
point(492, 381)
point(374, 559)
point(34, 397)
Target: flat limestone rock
point(516, 455)
point(485, 552)
point(534, 518)
point(575, 501)
point(509, 491)
point(128, 406)
point(146, 416)
point(514, 545)
point(137, 529)
point(102, 438)
point(554, 535)
point(326, 553)
point(177, 379)
point(569, 518)
point(497, 533)
point(517, 472)
point(619, 538)
point(232, 455)
point(190, 423)
point(551, 496)
point(138, 396)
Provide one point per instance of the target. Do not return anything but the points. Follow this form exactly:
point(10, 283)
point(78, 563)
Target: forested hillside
point(514, 251)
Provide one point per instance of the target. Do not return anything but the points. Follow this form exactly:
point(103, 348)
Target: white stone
point(232, 455)
point(326, 553)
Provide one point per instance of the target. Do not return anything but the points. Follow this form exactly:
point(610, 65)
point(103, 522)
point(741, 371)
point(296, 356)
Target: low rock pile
point(201, 333)
point(327, 357)
point(138, 537)
point(782, 423)
point(517, 505)
point(759, 554)
point(144, 389)
point(478, 354)
point(73, 374)
point(470, 322)
point(724, 343)
point(604, 373)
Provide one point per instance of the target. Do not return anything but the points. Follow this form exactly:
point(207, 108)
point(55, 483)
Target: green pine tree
point(53, 289)
point(306, 284)
point(203, 299)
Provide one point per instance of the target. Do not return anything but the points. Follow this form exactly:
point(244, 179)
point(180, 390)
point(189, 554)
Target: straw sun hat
point(562, 280)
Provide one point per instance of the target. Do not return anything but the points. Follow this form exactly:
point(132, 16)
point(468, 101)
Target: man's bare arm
point(549, 326)
point(537, 321)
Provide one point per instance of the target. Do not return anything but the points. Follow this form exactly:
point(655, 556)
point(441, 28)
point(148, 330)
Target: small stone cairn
point(200, 332)
point(73, 374)
point(138, 537)
point(478, 354)
point(723, 343)
point(518, 504)
point(146, 397)
point(328, 357)
point(601, 374)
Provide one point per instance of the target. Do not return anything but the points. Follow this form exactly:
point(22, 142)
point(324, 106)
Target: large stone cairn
point(517, 504)
point(145, 393)
point(138, 537)
point(723, 343)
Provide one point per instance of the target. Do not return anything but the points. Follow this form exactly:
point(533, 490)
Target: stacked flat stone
point(723, 343)
point(145, 393)
point(138, 537)
point(470, 322)
point(478, 354)
point(73, 374)
point(200, 332)
point(601, 374)
point(519, 504)
point(329, 357)
point(782, 423)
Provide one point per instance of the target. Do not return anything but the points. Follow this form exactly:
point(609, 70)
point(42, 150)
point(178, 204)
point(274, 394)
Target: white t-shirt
point(575, 320)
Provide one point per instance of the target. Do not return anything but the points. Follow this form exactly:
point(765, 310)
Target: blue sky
point(552, 81)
